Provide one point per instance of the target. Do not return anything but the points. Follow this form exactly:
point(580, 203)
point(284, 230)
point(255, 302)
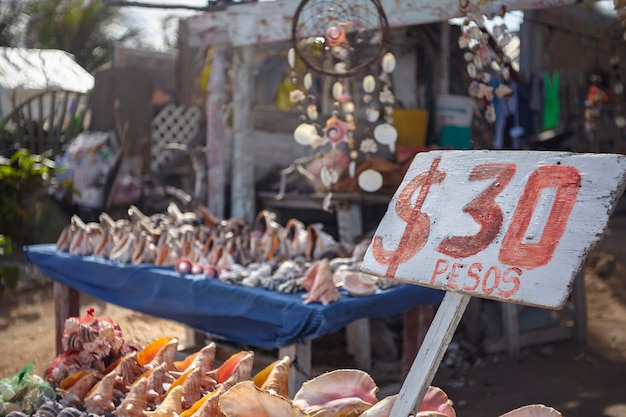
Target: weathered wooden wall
point(134, 91)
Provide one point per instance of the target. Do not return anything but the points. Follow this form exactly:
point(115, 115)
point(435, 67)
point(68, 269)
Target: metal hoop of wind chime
point(344, 41)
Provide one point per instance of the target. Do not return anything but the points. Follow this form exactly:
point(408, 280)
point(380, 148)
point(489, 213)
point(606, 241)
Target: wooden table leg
point(300, 369)
point(417, 320)
point(359, 343)
point(66, 304)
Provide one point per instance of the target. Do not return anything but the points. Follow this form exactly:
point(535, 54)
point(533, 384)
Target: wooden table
point(251, 316)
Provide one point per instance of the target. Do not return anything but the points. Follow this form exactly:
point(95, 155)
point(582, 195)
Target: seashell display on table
point(264, 254)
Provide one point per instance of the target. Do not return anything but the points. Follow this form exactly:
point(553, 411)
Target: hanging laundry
point(551, 105)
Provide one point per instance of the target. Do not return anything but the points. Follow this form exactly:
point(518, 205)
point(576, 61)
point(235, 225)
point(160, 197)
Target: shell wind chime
point(343, 42)
point(485, 55)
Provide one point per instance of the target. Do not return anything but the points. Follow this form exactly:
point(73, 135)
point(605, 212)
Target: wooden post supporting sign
point(512, 226)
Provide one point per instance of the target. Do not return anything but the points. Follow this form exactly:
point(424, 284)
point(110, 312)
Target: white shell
point(471, 70)
point(385, 133)
point(372, 114)
point(311, 112)
point(389, 62)
point(329, 176)
point(370, 180)
point(348, 107)
point(337, 90)
point(369, 84)
point(291, 58)
point(352, 169)
point(305, 134)
point(308, 81)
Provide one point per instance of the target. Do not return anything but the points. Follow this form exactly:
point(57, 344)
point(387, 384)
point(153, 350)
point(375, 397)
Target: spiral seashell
point(74, 341)
point(389, 62)
point(335, 34)
point(17, 414)
point(369, 84)
point(49, 409)
point(336, 130)
point(70, 412)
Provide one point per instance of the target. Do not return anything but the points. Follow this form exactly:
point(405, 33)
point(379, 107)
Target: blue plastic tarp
point(252, 316)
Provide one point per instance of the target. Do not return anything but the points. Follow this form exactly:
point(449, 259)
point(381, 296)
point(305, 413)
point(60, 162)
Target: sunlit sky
point(149, 20)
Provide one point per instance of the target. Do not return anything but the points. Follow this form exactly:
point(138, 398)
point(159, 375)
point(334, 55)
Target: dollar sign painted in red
point(418, 223)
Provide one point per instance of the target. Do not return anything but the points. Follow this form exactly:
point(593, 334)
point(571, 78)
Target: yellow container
point(412, 125)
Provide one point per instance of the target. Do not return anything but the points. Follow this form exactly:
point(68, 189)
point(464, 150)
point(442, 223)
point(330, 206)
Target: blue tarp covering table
point(253, 316)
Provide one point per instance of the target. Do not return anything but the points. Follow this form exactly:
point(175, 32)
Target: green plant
point(9, 274)
point(23, 177)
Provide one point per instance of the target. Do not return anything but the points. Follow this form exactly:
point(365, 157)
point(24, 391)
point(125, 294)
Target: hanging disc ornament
point(339, 38)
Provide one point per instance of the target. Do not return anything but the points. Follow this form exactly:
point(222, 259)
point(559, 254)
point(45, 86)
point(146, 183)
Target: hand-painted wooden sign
point(509, 225)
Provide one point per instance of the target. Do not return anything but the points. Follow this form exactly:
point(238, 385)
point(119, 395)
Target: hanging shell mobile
point(341, 41)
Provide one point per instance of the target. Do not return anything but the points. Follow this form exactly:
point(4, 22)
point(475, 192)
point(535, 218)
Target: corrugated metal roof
point(42, 69)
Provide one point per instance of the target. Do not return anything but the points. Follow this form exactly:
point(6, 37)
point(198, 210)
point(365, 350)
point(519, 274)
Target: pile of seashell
point(149, 382)
point(287, 259)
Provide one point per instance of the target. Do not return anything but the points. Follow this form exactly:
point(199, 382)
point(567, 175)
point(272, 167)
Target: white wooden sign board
point(514, 226)
point(509, 225)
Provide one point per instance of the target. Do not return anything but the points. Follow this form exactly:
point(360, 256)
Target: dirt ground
point(578, 380)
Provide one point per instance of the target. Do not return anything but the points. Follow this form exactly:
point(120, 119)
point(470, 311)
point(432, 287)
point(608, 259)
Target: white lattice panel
point(173, 124)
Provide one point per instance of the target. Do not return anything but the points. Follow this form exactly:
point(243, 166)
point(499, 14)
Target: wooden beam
point(216, 197)
point(270, 21)
point(243, 192)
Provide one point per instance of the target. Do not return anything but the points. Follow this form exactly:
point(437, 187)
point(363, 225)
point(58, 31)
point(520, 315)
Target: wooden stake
point(430, 354)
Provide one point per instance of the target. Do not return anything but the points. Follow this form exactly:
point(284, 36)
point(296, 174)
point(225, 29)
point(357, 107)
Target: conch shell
point(295, 235)
point(190, 381)
point(65, 238)
point(534, 410)
point(319, 284)
point(135, 402)
point(100, 399)
point(356, 283)
point(73, 389)
point(237, 368)
point(317, 241)
point(246, 400)
point(275, 377)
point(345, 392)
point(161, 350)
point(171, 406)
point(204, 359)
point(207, 406)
